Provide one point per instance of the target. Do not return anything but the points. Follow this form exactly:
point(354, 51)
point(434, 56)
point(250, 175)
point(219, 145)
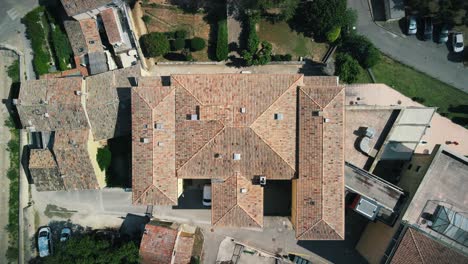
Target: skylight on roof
point(236, 156)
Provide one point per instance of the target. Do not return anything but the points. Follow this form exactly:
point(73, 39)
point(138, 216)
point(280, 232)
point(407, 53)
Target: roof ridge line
point(251, 217)
point(230, 209)
point(342, 88)
point(144, 100)
point(237, 202)
point(202, 147)
point(181, 85)
point(308, 229)
point(281, 95)
point(310, 98)
point(272, 148)
point(416, 245)
point(145, 191)
point(325, 222)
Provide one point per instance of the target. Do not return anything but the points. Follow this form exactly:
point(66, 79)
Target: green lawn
point(285, 40)
point(451, 102)
point(364, 77)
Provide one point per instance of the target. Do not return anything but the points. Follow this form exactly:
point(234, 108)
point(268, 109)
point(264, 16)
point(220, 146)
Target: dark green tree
point(197, 44)
point(181, 34)
point(87, 249)
point(154, 44)
point(275, 9)
point(222, 49)
point(347, 68)
point(146, 18)
point(360, 48)
point(178, 44)
point(104, 157)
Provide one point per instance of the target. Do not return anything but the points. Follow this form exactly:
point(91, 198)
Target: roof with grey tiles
point(238, 114)
point(416, 247)
point(108, 102)
point(51, 104)
point(44, 171)
point(97, 62)
point(76, 7)
point(76, 37)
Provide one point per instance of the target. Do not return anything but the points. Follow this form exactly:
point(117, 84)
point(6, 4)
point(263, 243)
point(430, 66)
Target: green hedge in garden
point(222, 49)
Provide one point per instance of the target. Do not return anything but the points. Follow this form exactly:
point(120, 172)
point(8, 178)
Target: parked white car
point(44, 241)
point(457, 42)
point(206, 195)
point(412, 25)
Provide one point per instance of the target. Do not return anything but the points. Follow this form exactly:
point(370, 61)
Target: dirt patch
point(171, 18)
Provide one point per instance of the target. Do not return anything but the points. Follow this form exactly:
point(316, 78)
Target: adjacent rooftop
point(76, 7)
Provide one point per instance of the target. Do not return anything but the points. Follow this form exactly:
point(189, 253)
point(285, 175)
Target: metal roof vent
point(77, 92)
point(160, 143)
point(46, 115)
point(145, 126)
point(144, 140)
point(194, 117)
point(243, 110)
point(243, 190)
point(262, 180)
point(326, 120)
point(236, 156)
point(16, 101)
point(317, 113)
point(278, 116)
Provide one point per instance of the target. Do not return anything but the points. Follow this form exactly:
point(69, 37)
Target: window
point(410, 166)
point(145, 126)
point(158, 126)
point(418, 168)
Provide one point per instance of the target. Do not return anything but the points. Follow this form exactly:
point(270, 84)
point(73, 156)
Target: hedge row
point(36, 34)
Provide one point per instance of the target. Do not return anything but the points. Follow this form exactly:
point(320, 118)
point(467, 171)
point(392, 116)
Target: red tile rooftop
point(111, 26)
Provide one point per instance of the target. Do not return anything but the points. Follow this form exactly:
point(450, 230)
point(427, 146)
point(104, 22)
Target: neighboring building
point(161, 244)
point(65, 167)
point(436, 208)
point(394, 9)
point(83, 9)
point(52, 104)
point(235, 129)
point(417, 247)
point(108, 102)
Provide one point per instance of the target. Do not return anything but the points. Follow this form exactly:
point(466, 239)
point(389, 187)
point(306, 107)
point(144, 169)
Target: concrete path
point(442, 129)
point(427, 57)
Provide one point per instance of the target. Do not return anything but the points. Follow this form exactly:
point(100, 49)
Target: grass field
point(171, 18)
point(284, 40)
point(364, 77)
point(451, 102)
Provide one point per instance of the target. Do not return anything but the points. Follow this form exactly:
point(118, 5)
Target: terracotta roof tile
point(51, 104)
point(416, 247)
point(111, 26)
point(44, 171)
point(320, 184)
point(76, 7)
point(76, 37)
point(183, 250)
point(231, 206)
point(91, 35)
point(157, 244)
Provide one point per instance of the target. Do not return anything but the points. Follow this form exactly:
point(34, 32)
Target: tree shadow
point(458, 109)
point(119, 173)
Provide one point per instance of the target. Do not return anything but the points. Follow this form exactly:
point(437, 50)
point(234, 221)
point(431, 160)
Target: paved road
point(11, 12)
point(6, 59)
point(424, 56)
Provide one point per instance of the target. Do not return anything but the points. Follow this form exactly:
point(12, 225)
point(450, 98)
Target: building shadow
point(133, 226)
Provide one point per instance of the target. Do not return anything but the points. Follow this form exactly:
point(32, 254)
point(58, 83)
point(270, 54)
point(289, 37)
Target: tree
point(197, 44)
point(333, 34)
point(154, 44)
point(222, 50)
point(104, 157)
point(87, 249)
point(347, 68)
point(146, 19)
point(178, 44)
point(360, 48)
point(181, 34)
point(320, 16)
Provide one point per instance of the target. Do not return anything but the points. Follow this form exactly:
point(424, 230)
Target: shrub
point(36, 34)
point(154, 44)
point(197, 44)
point(287, 57)
point(104, 157)
point(347, 68)
point(170, 34)
point(333, 34)
point(418, 99)
point(360, 48)
point(222, 50)
point(252, 37)
point(178, 44)
point(146, 19)
point(181, 34)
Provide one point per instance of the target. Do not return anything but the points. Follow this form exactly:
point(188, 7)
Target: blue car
point(44, 241)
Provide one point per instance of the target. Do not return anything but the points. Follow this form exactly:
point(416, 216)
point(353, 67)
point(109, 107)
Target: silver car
point(457, 42)
point(44, 241)
point(412, 25)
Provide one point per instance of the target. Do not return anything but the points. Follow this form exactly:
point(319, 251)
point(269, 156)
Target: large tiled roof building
point(234, 128)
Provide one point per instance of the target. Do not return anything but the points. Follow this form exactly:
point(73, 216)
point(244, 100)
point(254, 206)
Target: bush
point(360, 48)
point(104, 157)
point(62, 48)
point(178, 44)
point(347, 68)
point(146, 19)
point(418, 99)
point(222, 50)
point(181, 34)
point(170, 34)
point(287, 57)
point(252, 37)
point(154, 44)
point(197, 44)
point(333, 34)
